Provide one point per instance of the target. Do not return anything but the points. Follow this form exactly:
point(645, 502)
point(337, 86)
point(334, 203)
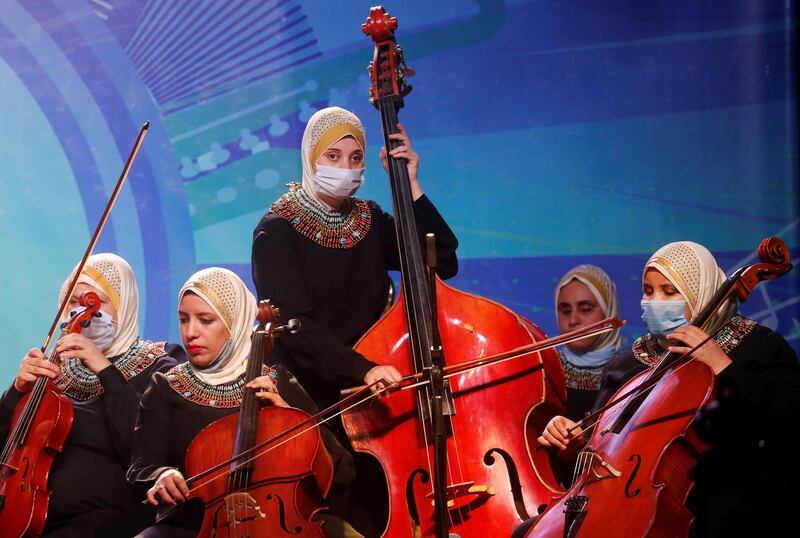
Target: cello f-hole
point(638, 459)
point(282, 514)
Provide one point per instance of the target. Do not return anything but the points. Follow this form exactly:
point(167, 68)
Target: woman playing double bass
point(216, 315)
point(103, 371)
point(738, 482)
point(321, 255)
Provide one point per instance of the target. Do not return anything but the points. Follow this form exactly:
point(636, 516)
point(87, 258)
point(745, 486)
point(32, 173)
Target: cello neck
point(246, 429)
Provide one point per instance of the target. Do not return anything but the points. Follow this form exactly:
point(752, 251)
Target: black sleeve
point(316, 349)
point(763, 382)
point(121, 400)
point(428, 221)
point(149, 452)
point(8, 403)
point(295, 395)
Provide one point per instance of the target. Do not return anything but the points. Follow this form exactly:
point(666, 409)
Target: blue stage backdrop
point(551, 134)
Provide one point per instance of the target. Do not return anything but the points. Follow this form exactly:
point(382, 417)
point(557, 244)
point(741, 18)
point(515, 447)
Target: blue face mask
point(663, 317)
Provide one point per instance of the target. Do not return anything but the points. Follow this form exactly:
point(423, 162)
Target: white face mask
point(100, 331)
point(337, 182)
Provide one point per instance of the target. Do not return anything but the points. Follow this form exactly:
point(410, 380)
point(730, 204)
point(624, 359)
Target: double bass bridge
point(465, 495)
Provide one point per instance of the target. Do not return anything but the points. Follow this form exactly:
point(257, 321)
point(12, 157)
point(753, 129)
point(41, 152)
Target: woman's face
point(202, 331)
point(577, 307)
point(105, 302)
point(346, 153)
point(656, 287)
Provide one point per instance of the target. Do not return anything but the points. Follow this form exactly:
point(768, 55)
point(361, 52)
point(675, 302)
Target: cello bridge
point(242, 507)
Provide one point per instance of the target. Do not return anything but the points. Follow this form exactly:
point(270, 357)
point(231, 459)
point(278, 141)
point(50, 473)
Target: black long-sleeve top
point(168, 422)
point(337, 294)
point(89, 473)
point(751, 428)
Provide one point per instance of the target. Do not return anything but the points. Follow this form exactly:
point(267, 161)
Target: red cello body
point(246, 492)
point(638, 479)
point(495, 478)
point(286, 486)
point(633, 478)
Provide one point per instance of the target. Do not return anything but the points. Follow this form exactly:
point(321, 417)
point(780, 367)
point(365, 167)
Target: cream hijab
point(113, 276)
point(230, 299)
point(694, 272)
point(604, 291)
point(324, 129)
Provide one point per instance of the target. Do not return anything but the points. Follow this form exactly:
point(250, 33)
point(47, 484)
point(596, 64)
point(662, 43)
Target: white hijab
point(605, 292)
point(324, 129)
point(230, 299)
point(113, 276)
point(694, 272)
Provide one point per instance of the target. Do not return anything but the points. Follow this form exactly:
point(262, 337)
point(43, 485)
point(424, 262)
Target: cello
point(457, 458)
point(253, 497)
point(637, 461)
point(42, 419)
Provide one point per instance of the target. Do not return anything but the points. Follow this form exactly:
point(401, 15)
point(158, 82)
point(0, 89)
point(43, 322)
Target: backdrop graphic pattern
point(551, 134)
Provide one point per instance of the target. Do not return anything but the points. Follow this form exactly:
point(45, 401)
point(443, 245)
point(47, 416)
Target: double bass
point(456, 452)
point(633, 476)
point(247, 495)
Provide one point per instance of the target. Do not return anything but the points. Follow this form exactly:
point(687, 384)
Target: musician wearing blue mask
point(103, 370)
point(757, 383)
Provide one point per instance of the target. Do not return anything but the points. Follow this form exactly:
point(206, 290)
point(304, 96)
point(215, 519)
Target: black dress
point(742, 482)
point(176, 406)
point(90, 496)
point(336, 293)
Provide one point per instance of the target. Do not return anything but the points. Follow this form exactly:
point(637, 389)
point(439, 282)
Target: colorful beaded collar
point(580, 378)
point(79, 383)
point(342, 228)
point(647, 351)
point(182, 380)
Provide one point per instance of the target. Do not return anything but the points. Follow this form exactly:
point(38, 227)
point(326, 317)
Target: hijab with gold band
point(232, 302)
point(324, 129)
point(113, 276)
point(605, 292)
point(694, 272)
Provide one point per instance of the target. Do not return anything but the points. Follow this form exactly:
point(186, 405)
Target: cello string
point(643, 387)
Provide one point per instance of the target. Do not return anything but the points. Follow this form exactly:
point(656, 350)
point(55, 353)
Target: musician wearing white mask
point(322, 255)
point(103, 370)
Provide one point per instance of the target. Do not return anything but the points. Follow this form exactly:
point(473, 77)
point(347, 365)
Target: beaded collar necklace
point(647, 351)
point(337, 228)
point(579, 378)
point(182, 380)
point(79, 383)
